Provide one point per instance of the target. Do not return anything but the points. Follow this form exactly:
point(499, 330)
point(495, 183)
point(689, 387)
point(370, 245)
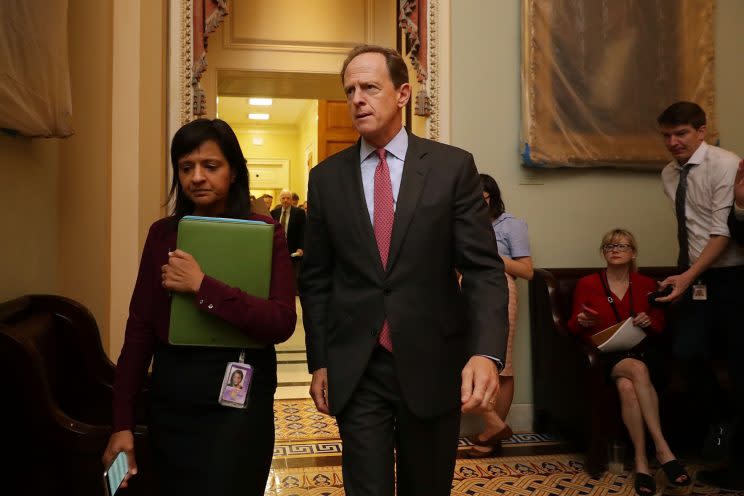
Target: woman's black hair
point(189, 138)
point(496, 204)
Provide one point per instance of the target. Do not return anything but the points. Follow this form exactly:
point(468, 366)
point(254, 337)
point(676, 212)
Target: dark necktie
point(384, 216)
point(683, 260)
point(283, 220)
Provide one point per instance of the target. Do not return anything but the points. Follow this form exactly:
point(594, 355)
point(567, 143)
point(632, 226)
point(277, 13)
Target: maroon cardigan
point(270, 321)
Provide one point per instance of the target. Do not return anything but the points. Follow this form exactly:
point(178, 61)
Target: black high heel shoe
point(645, 484)
point(673, 471)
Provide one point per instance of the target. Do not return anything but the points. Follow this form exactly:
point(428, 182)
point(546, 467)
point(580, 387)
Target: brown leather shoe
point(474, 452)
point(494, 440)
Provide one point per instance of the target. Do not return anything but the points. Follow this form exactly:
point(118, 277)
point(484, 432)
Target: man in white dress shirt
point(709, 311)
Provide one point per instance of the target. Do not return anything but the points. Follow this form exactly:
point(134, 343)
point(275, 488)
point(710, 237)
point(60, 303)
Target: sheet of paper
point(624, 338)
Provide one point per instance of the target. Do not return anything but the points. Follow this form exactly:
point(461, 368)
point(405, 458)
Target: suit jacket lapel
point(358, 206)
point(415, 169)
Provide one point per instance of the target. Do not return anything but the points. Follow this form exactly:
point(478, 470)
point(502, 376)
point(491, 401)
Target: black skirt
point(647, 351)
point(199, 446)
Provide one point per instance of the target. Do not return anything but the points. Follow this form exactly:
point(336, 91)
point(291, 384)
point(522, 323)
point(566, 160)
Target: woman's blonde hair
point(614, 236)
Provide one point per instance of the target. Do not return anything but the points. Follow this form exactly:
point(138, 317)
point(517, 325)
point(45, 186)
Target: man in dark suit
point(292, 220)
point(396, 349)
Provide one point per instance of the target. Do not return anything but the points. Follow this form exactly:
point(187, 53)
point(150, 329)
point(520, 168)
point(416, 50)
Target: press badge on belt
point(699, 292)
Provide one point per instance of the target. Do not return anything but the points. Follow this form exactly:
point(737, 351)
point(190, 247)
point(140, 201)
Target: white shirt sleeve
point(722, 196)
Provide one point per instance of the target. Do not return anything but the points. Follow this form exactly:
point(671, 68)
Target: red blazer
point(589, 292)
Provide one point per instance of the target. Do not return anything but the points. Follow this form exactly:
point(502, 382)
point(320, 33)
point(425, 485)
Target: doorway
point(286, 124)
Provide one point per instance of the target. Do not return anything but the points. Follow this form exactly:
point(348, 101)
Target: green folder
point(234, 251)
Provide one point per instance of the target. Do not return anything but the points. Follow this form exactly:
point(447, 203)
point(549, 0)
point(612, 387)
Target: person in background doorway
point(292, 220)
point(268, 200)
point(295, 200)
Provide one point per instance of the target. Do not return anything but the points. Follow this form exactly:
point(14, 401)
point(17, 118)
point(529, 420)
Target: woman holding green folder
point(200, 446)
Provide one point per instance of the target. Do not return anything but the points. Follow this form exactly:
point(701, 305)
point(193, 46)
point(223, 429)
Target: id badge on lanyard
point(699, 291)
point(236, 384)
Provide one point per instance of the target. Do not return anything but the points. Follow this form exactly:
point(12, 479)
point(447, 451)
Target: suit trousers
point(378, 430)
point(712, 329)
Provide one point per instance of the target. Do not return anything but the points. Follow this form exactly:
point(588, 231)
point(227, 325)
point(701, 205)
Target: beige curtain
point(35, 95)
point(596, 73)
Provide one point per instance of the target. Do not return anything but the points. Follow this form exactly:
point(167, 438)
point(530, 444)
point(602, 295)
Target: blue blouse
point(511, 236)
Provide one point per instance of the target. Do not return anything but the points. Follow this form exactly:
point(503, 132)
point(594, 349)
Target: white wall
point(308, 143)
point(567, 211)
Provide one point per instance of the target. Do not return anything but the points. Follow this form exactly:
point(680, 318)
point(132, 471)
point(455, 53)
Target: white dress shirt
point(395, 154)
point(710, 194)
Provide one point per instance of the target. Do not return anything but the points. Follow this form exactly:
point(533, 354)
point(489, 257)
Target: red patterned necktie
point(383, 227)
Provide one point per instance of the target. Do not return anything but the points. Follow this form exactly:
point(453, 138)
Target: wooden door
point(335, 131)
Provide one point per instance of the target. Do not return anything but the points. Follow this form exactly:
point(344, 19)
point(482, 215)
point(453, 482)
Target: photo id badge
point(236, 385)
point(699, 292)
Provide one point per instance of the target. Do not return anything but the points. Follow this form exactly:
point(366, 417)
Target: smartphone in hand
point(589, 310)
point(115, 473)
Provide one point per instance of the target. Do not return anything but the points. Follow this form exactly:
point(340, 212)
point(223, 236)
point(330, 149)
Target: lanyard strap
point(611, 300)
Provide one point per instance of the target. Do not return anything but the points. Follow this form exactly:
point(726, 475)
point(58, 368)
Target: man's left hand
point(480, 384)
point(679, 285)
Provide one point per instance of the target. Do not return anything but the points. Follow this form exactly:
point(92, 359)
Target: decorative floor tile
point(307, 459)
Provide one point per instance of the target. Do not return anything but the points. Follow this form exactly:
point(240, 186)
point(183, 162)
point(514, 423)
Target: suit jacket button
point(387, 291)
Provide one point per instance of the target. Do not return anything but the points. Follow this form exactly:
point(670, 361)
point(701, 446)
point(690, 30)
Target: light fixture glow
point(260, 102)
point(259, 117)
point(258, 141)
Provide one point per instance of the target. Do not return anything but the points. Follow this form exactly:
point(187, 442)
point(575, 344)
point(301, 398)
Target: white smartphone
point(114, 475)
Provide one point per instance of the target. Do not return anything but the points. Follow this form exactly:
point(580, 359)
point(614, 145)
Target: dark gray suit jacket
point(441, 224)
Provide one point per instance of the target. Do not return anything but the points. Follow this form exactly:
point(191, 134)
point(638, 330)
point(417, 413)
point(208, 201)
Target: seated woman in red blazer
point(603, 299)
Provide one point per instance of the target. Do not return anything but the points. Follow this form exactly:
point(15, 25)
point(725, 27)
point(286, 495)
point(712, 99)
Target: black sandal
point(645, 484)
point(674, 470)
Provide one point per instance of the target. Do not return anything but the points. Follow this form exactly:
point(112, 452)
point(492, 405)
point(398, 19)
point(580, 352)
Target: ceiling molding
point(233, 42)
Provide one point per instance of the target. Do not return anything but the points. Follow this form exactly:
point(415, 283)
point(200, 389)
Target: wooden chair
point(57, 388)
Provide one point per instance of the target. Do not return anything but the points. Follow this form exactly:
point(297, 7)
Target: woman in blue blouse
point(514, 248)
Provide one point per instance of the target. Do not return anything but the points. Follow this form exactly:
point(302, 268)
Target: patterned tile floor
point(307, 459)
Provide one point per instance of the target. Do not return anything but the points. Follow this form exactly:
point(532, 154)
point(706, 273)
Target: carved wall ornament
point(207, 17)
point(413, 21)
